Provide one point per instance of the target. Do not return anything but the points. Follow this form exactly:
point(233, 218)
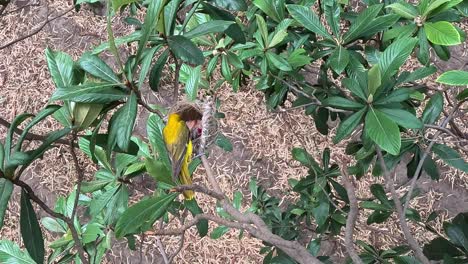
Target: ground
point(262, 141)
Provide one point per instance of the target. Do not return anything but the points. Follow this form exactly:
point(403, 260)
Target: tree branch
point(47, 209)
point(34, 32)
point(400, 212)
point(352, 217)
point(175, 93)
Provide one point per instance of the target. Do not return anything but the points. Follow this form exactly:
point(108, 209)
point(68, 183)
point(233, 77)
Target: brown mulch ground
point(262, 142)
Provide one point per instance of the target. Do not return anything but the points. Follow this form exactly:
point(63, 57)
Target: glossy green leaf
point(30, 230)
point(121, 124)
point(6, 188)
point(89, 93)
point(308, 19)
point(142, 213)
point(91, 233)
point(154, 131)
point(450, 156)
point(433, 109)
point(145, 64)
point(353, 86)
point(191, 86)
point(234, 31)
point(237, 5)
point(118, 42)
point(383, 131)
point(92, 186)
point(159, 171)
point(442, 33)
point(223, 142)
point(402, 118)
point(394, 56)
point(219, 232)
point(100, 202)
point(149, 25)
point(52, 225)
point(439, 247)
point(117, 4)
point(404, 9)
point(418, 74)
point(185, 50)
point(332, 14)
point(342, 103)
point(374, 79)
point(278, 61)
point(268, 7)
point(361, 23)
point(454, 77)
point(194, 208)
point(348, 125)
point(339, 59)
point(397, 96)
point(156, 71)
point(209, 27)
point(93, 65)
point(60, 67)
point(10, 253)
point(423, 52)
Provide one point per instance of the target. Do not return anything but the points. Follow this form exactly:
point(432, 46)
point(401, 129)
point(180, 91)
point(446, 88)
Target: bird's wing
point(177, 148)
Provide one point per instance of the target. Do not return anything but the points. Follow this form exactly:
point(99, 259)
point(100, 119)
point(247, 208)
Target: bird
point(176, 135)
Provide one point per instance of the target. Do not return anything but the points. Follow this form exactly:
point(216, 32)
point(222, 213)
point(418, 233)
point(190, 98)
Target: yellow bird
point(176, 136)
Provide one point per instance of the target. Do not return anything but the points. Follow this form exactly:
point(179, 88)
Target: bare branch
point(352, 217)
point(198, 188)
point(400, 212)
point(34, 32)
point(178, 65)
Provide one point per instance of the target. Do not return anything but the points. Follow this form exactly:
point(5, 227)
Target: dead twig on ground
point(37, 30)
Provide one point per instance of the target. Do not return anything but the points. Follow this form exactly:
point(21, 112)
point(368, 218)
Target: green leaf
point(442, 33)
point(383, 131)
point(60, 67)
point(403, 118)
point(223, 142)
point(304, 158)
point(209, 27)
point(418, 74)
point(395, 55)
point(121, 124)
point(185, 50)
point(423, 51)
point(339, 59)
point(332, 14)
point(10, 253)
point(30, 230)
point(145, 64)
point(6, 188)
point(191, 87)
point(268, 7)
point(381, 23)
point(219, 232)
point(396, 96)
point(460, 97)
point(278, 61)
point(404, 9)
point(100, 202)
point(342, 103)
point(117, 4)
point(158, 171)
point(433, 109)
point(433, 5)
point(52, 225)
point(234, 31)
point(373, 79)
point(450, 156)
point(348, 125)
point(439, 247)
point(454, 77)
point(149, 25)
point(92, 186)
point(361, 23)
point(91, 233)
point(145, 212)
point(322, 211)
point(89, 93)
point(93, 65)
point(237, 5)
point(234, 60)
point(308, 19)
point(156, 71)
point(353, 86)
point(154, 131)
point(2, 158)
point(194, 208)
point(118, 42)
point(170, 16)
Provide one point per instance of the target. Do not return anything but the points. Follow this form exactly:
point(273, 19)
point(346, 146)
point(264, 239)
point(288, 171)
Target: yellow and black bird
point(178, 142)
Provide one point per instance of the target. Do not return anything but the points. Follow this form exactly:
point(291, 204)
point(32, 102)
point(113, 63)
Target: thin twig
point(423, 158)
point(351, 220)
point(400, 212)
point(80, 173)
point(47, 209)
point(175, 93)
point(34, 32)
point(18, 9)
point(160, 245)
point(30, 136)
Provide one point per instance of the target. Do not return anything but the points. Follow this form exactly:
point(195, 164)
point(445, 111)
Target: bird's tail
point(185, 176)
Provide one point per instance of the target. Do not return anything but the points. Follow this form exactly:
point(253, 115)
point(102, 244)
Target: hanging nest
point(200, 120)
